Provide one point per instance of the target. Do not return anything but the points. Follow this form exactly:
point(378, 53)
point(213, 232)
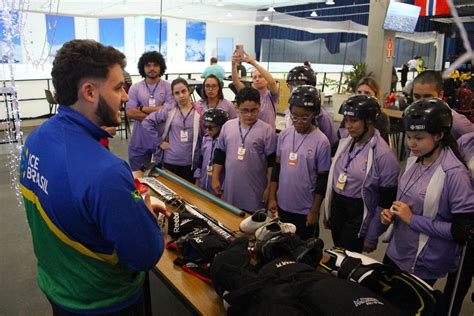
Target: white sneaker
point(254, 222)
point(273, 229)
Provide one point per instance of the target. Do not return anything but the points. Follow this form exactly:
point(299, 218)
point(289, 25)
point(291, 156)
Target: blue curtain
point(333, 40)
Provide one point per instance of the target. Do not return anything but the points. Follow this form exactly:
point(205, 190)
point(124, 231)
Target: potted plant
point(359, 71)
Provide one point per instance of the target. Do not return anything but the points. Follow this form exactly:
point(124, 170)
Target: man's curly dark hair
point(151, 57)
point(78, 60)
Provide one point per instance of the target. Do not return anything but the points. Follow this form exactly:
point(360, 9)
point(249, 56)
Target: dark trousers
point(184, 172)
point(137, 309)
point(389, 262)
point(464, 282)
point(346, 220)
point(299, 220)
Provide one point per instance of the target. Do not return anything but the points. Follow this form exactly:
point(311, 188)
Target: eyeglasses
point(211, 86)
point(248, 111)
point(302, 119)
point(209, 127)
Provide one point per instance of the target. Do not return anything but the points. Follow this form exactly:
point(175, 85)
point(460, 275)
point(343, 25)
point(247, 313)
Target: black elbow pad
point(387, 196)
point(219, 157)
point(276, 172)
point(321, 183)
point(271, 160)
point(462, 227)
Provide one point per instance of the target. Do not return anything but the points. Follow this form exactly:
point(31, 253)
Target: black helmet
point(216, 116)
point(430, 115)
point(362, 107)
point(302, 73)
point(306, 97)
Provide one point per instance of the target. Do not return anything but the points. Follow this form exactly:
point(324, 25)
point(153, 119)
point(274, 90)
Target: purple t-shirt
point(179, 151)
point(139, 94)
point(466, 146)
point(461, 125)
point(223, 104)
point(355, 170)
point(439, 255)
point(297, 181)
point(208, 146)
point(325, 124)
point(245, 180)
point(268, 106)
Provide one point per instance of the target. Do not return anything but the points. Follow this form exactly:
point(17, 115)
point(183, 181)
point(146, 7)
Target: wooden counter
point(198, 294)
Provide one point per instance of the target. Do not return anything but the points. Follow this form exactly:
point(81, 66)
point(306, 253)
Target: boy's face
point(211, 129)
point(425, 91)
point(248, 112)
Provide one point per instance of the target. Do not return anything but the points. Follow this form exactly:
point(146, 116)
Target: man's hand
point(216, 185)
point(164, 145)
point(312, 218)
point(369, 247)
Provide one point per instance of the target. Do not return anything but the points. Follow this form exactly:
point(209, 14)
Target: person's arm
point(460, 194)
point(151, 125)
point(389, 169)
point(216, 173)
point(266, 192)
point(323, 163)
point(123, 218)
point(236, 59)
point(270, 150)
point(272, 85)
point(272, 200)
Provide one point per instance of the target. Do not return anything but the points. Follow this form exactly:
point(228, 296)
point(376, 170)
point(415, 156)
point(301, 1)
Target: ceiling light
point(266, 19)
point(220, 3)
point(314, 14)
point(330, 2)
point(270, 9)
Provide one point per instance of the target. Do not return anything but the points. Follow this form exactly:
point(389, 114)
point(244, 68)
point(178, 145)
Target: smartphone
point(239, 50)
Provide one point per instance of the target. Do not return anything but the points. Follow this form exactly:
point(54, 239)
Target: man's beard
point(152, 75)
point(108, 116)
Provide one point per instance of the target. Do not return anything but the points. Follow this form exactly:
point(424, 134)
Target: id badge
point(292, 159)
point(209, 170)
point(183, 136)
point(151, 101)
point(341, 181)
point(241, 153)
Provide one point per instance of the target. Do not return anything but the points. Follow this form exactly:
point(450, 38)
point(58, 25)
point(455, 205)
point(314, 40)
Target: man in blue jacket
point(93, 235)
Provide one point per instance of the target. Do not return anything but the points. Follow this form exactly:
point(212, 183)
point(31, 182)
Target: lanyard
point(214, 142)
point(349, 158)
point(407, 188)
point(154, 89)
point(302, 141)
point(245, 136)
point(216, 107)
point(184, 117)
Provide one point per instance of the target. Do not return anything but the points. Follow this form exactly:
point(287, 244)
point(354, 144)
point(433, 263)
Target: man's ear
point(88, 91)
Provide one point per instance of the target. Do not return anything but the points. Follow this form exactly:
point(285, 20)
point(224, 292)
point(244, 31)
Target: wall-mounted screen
point(401, 17)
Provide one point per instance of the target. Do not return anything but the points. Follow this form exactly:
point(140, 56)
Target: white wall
point(37, 65)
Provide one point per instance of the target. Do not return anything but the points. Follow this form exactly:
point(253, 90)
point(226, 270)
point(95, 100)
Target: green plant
point(328, 83)
point(359, 71)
